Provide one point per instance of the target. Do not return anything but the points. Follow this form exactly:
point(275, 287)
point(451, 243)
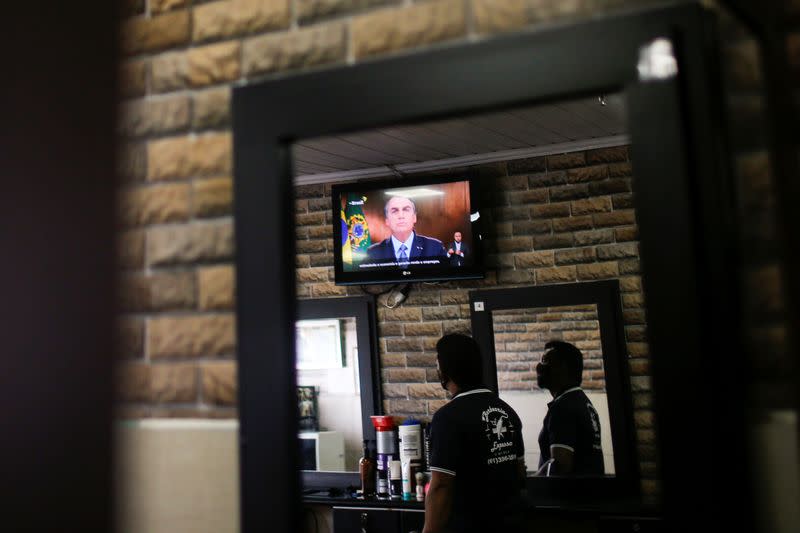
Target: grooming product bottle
point(366, 470)
point(385, 434)
point(410, 455)
point(386, 450)
point(406, 469)
point(410, 441)
point(395, 480)
point(426, 447)
point(382, 475)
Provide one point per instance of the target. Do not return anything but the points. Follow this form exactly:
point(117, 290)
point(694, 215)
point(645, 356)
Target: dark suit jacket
point(421, 248)
point(456, 259)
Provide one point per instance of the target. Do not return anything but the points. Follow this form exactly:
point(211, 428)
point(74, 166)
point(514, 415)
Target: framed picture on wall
point(319, 344)
point(307, 408)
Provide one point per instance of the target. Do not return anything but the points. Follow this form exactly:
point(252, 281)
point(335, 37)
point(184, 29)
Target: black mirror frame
point(684, 204)
point(624, 485)
point(362, 308)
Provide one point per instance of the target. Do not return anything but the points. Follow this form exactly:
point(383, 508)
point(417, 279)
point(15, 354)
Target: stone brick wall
point(520, 336)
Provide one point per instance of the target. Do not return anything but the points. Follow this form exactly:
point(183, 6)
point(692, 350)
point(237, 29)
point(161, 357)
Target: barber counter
point(323, 513)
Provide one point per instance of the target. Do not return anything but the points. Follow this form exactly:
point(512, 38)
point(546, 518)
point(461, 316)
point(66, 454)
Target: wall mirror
point(512, 327)
point(661, 62)
point(520, 336)
point(338, 386)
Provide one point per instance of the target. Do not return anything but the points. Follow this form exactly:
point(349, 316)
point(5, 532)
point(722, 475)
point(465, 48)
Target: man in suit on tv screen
point(404, 246)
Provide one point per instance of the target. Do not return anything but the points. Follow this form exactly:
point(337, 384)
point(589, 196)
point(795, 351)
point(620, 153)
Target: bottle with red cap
point(386, 451)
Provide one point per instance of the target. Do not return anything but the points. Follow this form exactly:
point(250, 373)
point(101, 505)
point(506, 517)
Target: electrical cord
point(396, 294)
point(396, 297)
point(378, 293)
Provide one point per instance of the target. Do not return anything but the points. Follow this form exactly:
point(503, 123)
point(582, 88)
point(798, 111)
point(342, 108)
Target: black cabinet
point(377, 520)
point(412, 521)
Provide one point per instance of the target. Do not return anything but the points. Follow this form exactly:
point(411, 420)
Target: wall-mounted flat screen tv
point(407, 230)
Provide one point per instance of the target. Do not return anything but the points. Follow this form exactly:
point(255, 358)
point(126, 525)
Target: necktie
point(402, 257)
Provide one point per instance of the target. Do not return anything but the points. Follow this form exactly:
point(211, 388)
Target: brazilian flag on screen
point(347, 252)
point(357, 229)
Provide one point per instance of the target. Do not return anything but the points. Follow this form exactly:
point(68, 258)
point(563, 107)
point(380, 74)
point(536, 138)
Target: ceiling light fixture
point(416, 192)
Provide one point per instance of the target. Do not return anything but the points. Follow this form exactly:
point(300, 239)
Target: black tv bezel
point(476, 270)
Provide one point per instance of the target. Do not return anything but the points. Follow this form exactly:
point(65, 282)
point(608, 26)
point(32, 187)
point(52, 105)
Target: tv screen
point(420, 230)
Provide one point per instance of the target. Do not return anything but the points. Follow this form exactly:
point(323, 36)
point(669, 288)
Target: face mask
point(442, 379)
point(543, 376)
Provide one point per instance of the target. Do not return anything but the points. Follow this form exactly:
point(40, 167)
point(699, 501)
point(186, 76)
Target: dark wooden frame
point(62, 352)
point(605, 295)
point(685, 214)
point(362, 308)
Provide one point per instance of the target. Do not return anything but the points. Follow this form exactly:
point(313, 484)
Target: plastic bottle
point(407, 480)
point(385, 433)
point(410, 455)
point(382, 476)
point(410, 441)
point(395, 480)
point(366, 470)
point(426, 447)
point(386, 448)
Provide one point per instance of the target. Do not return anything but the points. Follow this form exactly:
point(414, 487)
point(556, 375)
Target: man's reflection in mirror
point(570, 438)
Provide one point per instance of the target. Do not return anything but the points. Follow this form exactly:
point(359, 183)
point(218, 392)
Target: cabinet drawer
point(412, 521)
point(365, 521)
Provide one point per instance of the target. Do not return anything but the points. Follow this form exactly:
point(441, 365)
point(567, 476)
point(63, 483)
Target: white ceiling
point(506, 135)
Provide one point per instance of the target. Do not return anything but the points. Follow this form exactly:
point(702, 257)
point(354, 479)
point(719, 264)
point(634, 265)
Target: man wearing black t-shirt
point(477, 454)
point(570, 438)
